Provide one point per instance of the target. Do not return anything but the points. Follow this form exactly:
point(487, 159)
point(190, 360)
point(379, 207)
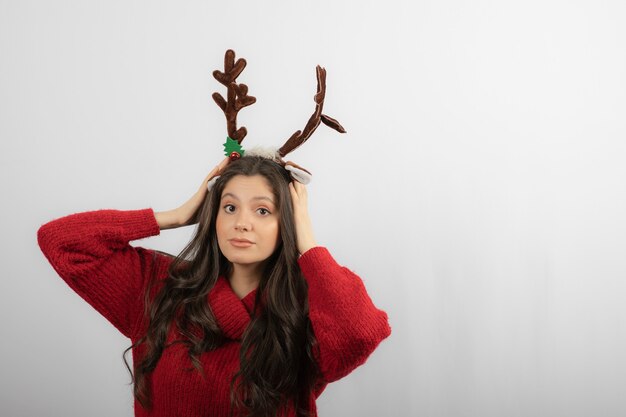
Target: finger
point(301, 190)
point(206, 180)
point(223, 164)
point(295, 197)
point(217, 170)
point(214, 172)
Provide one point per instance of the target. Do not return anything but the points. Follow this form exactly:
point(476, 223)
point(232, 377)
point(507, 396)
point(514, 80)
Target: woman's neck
point(245, 278)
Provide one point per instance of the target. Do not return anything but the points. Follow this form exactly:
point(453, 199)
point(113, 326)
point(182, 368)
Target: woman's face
point(247, 222)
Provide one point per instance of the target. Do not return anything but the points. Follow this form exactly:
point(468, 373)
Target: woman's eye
point(263, 212)
point(229, 208)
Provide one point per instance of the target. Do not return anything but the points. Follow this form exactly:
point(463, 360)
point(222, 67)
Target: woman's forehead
point(244, 187)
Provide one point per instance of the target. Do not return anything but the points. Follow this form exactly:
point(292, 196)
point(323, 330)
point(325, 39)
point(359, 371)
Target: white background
point(480, 191)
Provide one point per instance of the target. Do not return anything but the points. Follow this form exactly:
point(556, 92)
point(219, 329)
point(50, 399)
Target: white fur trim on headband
point(298, 174)
point(263, 151)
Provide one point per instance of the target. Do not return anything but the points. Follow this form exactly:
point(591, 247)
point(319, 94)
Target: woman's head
point(249, 211)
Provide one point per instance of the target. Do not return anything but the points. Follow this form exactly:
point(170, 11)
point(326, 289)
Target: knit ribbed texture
point(346, 323)
point(92, 254)
point(231, 313)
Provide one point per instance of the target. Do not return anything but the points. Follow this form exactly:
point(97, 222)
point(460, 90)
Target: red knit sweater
point(91, 252)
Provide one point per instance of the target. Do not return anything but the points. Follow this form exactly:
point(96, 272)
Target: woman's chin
point(242, 260)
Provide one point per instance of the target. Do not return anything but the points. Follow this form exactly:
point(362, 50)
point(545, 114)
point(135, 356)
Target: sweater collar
point(232, 314)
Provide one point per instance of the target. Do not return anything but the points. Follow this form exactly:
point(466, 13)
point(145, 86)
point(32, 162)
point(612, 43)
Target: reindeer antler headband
point(238, 98)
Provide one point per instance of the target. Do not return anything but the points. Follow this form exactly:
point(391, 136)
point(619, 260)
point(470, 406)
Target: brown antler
point(238, 97)
point(299, 137)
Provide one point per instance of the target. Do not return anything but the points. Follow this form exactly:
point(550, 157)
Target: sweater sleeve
point(347, 325)
point(91, 252)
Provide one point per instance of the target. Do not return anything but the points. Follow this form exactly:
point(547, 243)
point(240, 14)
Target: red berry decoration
point(234, 156)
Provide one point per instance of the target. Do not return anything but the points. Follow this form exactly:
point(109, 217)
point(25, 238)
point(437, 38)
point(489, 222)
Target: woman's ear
point(298, 173)
point(210, 183)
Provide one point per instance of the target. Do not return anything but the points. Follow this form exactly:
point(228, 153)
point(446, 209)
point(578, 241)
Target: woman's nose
point(242, 222)
point(242, 227)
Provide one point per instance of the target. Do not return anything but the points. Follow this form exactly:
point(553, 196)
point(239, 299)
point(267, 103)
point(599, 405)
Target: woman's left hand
point(304, 229)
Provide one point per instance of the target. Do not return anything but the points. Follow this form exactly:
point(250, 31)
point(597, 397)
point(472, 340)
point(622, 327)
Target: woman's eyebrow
point(262, 197)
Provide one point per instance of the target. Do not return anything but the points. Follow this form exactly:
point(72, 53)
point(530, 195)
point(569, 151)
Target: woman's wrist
point(306, 245)
point(167, 219)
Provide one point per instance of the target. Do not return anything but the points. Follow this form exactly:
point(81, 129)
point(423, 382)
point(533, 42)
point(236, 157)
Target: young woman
point(253, 318)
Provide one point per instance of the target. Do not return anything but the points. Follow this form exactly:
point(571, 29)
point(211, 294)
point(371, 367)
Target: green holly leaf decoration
point(231, 146)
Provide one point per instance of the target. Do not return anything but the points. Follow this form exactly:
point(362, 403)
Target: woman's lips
point(240, 243)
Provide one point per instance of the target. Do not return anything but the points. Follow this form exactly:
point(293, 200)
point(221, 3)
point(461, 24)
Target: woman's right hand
point(187, 214)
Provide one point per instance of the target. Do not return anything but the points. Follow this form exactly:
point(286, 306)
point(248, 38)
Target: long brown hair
point(277, 361)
